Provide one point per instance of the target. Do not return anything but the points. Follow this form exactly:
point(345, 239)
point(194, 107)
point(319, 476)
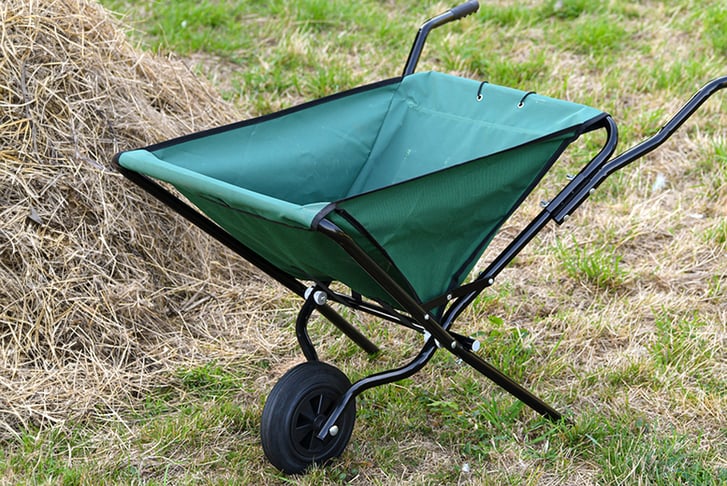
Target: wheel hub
point(318, 423)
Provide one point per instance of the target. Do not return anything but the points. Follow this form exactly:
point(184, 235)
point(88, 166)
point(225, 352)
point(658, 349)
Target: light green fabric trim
point(234, 197)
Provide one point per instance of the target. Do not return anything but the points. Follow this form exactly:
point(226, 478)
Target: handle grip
point(456, 13)
point(467, 8)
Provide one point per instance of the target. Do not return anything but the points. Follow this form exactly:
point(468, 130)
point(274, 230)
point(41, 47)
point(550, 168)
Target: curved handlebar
point(455, 13)
point(609, 166)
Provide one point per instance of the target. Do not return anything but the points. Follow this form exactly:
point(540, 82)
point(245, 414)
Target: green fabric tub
point(421, 171)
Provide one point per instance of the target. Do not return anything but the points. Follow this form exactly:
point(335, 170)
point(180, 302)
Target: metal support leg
point(346, 328)
point(507, 383)
point(315, 300)
point(301, 330)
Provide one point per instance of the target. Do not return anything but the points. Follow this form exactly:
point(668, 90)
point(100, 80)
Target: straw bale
point(99, 284)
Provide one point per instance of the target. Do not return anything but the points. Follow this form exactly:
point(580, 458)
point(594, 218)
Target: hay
point(94, 307)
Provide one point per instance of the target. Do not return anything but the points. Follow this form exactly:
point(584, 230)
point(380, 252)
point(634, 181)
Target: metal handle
point(609, 166)
point(456, 13)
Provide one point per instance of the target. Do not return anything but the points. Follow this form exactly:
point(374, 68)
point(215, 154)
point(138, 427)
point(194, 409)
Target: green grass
point(717, 235)
point(630, 450)
point(597, 266)
point(612, 323)
point(715, 19)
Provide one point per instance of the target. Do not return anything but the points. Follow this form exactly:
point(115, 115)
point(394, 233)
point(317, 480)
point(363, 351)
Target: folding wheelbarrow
point(393, 189)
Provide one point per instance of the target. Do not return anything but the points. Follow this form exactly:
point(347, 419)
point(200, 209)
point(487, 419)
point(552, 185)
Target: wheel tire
point(294, 412)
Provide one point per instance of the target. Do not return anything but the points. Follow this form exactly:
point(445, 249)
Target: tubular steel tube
point(641, 149)
point(301, 330)
point(430, 324)
point(378, 379)
point(455, 13)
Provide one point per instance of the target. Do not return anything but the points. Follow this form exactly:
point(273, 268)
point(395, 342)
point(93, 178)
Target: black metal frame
point(437, 316)
point(451, 15)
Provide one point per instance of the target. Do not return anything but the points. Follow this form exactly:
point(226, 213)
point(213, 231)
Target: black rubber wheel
point(295, 411)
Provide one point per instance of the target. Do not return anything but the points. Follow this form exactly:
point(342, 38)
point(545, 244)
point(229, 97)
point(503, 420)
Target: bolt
point(333, 431)
point(320, 297)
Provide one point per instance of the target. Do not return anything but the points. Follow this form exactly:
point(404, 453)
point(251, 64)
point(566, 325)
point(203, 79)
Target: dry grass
point(94, 308)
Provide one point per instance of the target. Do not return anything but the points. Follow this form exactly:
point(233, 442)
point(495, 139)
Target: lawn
point(618, 317)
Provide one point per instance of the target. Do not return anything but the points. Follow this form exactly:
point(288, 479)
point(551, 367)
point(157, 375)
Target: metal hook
point(479, 91)
point(522, 100)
